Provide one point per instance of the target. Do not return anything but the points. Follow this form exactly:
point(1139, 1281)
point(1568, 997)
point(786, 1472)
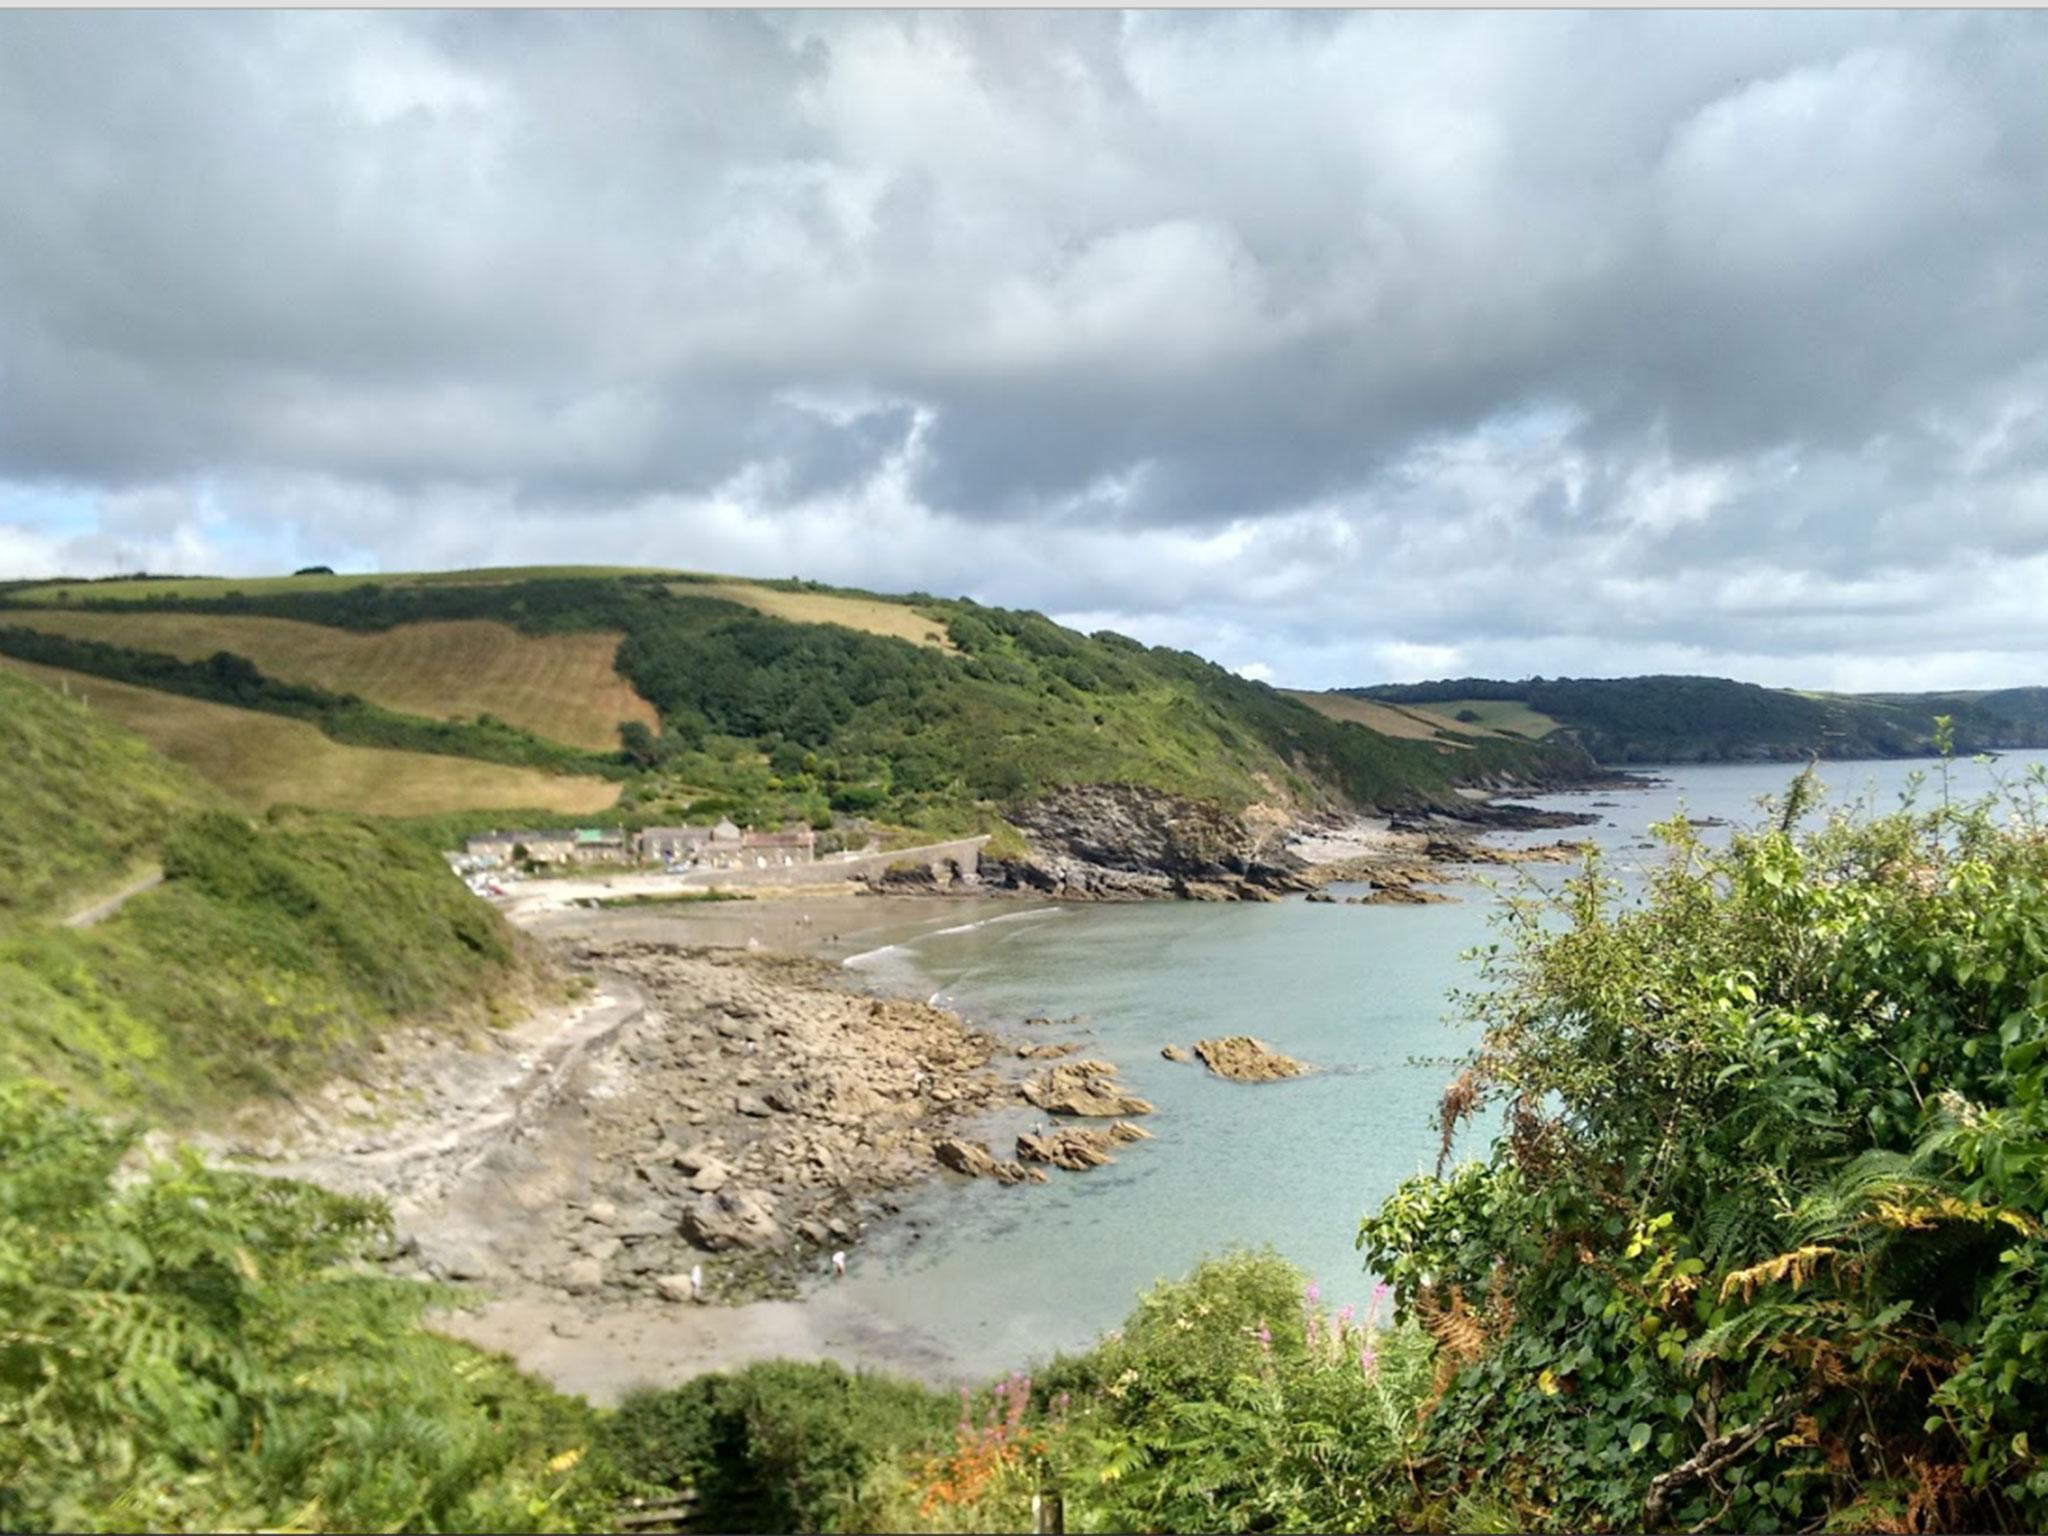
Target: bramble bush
point(1231, 1400)
point(781, 1446)
point(199, 1350)
point(1761, 1244)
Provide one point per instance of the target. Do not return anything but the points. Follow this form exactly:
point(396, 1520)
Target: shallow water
point(991, 1277)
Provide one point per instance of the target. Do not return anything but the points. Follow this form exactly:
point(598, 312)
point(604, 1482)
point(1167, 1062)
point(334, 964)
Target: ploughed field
point(262, 760)
point(562, 687)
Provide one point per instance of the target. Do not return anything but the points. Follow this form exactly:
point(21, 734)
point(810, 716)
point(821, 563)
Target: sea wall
point(943, 860)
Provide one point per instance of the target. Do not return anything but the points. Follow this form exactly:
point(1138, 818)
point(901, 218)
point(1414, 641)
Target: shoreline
point(571, 1226)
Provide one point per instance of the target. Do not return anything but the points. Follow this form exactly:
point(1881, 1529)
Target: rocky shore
point(751, 1123)
point(711, 1125)
point(1125, 842)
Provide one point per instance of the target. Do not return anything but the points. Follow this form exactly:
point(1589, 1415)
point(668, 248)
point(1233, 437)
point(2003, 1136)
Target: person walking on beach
point(696, 1282)
point(839, 1264)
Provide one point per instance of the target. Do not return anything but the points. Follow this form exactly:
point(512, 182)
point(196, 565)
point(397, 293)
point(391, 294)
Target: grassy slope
point(147, 588)
point(874, 615)
point(81, 802)
point(784, 698)
point(562, 687)
point(1405, 721)
point(263, 760)
point(1695, 719)
point(268, 952)
point(1509, 715)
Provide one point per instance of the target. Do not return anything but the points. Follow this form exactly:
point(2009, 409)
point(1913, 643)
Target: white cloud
point(1368, 345)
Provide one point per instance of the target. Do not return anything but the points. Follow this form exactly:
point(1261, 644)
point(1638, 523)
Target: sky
point(1339, 348)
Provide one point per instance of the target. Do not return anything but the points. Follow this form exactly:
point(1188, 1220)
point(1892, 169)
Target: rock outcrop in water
point(1245, 1060)
point(1083, 1088)
point(977, 1162)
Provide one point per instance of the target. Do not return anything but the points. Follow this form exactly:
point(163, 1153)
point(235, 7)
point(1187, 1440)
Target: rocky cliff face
point(1111, 842)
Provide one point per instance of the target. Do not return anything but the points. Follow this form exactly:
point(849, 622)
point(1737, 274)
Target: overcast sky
point(1337, 348)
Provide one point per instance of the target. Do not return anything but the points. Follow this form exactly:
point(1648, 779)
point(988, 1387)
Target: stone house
point(582, 845)
point(672, 845)
point(554, 846)
point(602, 845)
point(730, 848)
point(764, 850)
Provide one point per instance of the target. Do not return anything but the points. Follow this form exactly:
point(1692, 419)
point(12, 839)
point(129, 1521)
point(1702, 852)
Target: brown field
point(1509, 717)
point(558, 686)
point(141, 589)
point(264, 760)
point(898, 621)
point(1403, 720)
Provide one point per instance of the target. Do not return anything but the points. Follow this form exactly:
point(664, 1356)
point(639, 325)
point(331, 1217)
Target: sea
point(989, 1277)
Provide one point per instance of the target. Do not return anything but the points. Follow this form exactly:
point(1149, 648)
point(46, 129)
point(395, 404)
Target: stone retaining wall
point(963, 853)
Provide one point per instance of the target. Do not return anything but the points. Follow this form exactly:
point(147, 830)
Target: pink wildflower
point(1369, 1362)
point(1380, 1293)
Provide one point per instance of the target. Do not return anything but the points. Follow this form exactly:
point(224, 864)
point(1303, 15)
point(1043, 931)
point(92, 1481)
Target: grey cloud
point(1509, 335)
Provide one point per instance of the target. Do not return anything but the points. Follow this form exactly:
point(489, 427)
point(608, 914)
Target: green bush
point(205, 1351)
point(1234, 1400)
point(1761, 1245)
point(784, 1446)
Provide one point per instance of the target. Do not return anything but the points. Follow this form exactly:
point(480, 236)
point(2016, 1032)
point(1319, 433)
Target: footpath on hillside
point(106, 906)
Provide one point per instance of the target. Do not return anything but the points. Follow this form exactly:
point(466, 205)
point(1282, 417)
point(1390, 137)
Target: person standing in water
point(839, 1264)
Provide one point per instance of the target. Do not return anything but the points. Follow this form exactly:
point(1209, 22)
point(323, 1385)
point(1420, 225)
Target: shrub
point(1760, 1245)
point(784, 1446)
point(204, 1351)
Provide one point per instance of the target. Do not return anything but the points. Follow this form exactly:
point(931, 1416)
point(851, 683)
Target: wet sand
point(831, 925)
point(606, 1355)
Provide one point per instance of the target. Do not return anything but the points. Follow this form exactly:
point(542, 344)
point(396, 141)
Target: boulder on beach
point(1085, 1088)
point(1245, 1060)
point(730, 1219)
point(674, 1288)
point(1046, 1051)
point(692, 1159)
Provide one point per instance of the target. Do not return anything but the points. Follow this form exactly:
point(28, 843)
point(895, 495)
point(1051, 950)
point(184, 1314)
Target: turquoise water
point(996, 1276)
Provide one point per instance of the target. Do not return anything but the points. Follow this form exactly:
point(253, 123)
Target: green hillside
point(82, 803)
point(1711, 719)
point(788, 699)
point(269, 951)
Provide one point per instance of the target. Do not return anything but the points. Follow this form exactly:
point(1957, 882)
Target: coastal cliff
point(1124, 842)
